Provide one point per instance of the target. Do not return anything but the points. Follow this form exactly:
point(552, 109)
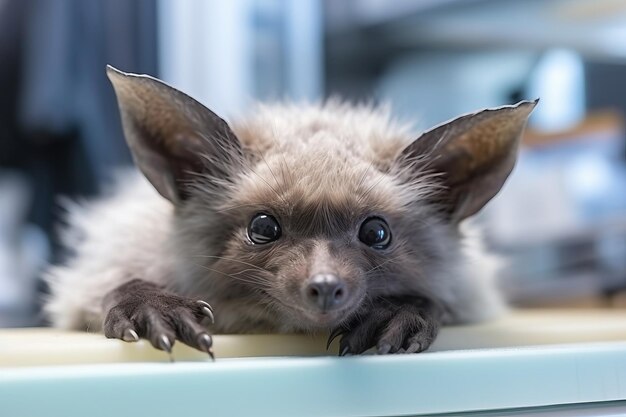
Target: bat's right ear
point(172, 137)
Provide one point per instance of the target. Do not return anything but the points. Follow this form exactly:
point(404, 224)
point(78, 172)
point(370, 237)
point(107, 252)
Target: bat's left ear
point(472, 155)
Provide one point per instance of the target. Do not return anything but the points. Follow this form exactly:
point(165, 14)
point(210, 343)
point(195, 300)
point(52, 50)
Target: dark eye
point(263, 229)
point(375, 233)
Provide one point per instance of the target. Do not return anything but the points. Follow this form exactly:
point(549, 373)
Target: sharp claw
point(207, 312)
point(345, 351)
point(384, 349)
point(333, 335)
point(130, 335)
point(205, 342)
point(205, 304)
point(165, 344)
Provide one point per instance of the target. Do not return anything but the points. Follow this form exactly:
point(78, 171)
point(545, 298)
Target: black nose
point(325, 291)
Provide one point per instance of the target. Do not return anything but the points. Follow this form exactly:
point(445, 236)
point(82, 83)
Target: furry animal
point(297, 219)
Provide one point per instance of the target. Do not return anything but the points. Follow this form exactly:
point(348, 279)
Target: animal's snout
point(325, 292)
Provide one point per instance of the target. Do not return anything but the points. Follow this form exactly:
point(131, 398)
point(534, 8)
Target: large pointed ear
point(172, 137)
point(472, 155)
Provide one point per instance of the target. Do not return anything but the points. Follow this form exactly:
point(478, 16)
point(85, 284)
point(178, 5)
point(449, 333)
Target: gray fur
point(319, 169)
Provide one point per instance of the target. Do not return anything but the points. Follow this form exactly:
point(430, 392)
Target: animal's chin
point(326, 320)
point(303, 319)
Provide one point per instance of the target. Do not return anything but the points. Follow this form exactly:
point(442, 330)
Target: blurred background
point(560, 221)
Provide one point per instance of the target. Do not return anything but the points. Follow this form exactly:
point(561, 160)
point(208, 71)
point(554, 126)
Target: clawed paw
point(139, 309)
point(391, 326)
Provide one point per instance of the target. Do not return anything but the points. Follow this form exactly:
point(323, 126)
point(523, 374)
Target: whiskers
point(380, 265)
point(233, 260)
point(393, 273)
point(254, 276)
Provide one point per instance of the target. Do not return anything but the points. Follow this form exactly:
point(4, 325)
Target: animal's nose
point(325, 292)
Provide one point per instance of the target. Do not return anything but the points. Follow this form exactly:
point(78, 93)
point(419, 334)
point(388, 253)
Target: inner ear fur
point(472, 155)
point(172, 136)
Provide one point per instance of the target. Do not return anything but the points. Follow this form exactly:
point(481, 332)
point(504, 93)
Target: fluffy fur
point(322, 170)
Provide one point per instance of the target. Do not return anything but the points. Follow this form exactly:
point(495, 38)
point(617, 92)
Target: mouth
point(328, 319)
point(309, 319)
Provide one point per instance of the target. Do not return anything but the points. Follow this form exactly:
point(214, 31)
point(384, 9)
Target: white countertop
point(528, 359)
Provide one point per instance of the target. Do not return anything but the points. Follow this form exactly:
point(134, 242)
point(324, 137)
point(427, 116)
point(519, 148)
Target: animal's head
point(306, 224)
